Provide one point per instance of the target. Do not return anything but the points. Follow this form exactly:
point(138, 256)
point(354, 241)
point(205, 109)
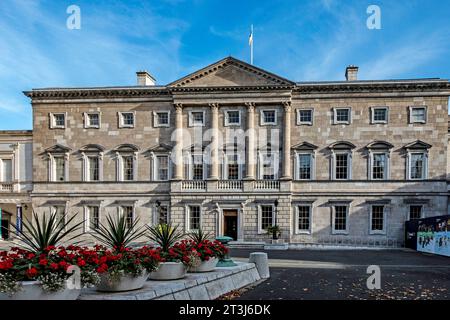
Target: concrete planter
point(124, 283)
point(32, 290)
point(169, 271)
point(205, 266)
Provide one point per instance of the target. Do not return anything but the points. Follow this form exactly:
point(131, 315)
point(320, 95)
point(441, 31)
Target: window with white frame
point(126, 119)
point(57, 120)
point(92, 120)
point(379, 165)
point(197, 167)
point(303, 220)
point(162, 167)
point(161, 119)
point(128, 212)
point(379, 115)
point(268, 117)
point(232, 117)
point(415, 211)
point(93, 218)
point(304, 166)
point(6, 173)
point(59, 168)
point(304, 116)
point(377, 219)
point(340, 216)
point(128, 167)
point(268, 166)
point(266, 217)
point(196, 118)
point(342, 115)
point(417, 165)
point(417, 114)
point(163, 214)
point(194, 217)
point(342, 166)
point(232, 167)
point(93, 170)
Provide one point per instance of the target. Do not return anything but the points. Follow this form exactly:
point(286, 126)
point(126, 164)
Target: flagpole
point(251, 47)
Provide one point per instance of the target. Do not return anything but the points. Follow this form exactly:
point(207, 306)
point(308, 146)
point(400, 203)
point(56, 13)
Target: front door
point(5, 229)
point(230, 223)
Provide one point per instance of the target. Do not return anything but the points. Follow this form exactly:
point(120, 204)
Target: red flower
point(64, 265)
point(43, 262)
point(102, 268)
point(32, 272)
point(30, 256)
point(81, 262)
point(54, 266)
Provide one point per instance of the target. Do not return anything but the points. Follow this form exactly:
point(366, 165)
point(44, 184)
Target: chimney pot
point(351, 73)
point(145, 79)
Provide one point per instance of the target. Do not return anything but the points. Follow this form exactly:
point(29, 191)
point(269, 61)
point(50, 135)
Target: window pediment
point(94, 148)
point(162, 147)
point(58, 148)
point(126, 148)
point(305, 146)
point(379, 145)
point(342, 145)
point(417, 145)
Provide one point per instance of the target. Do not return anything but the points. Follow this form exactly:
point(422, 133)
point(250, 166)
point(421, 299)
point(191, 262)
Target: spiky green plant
point(117, 233)
point(165, 235)
point(46, 231)
point(199, 235)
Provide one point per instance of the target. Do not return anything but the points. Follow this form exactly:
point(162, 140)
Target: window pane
point(163, 117)
point(342, 115)
point(59, 120)
point(342, 166)
point(93, 119)
point(197, 117)
point(127, 167)
point(7, 170)
point(266, 217)
point(305, 116)
point(417, 165)
point(418, 114)
point(377, 223)
point(269, 116)
point(163, 168)
point(233, 117)
point(304, 217)
point(379, 166)
point(233, 167)
point(60, 215)
point(340, 218)
point(94, 217)
point(415, 212)
point(60, 168)
point(268, 166)
point(194, 217)
point(163, 217)
point(304, 164)
point(380, 114)
point(93, 168)
point(128, 118)
point(128, 212)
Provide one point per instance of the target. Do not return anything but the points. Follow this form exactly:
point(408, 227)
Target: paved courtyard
point(341, 274)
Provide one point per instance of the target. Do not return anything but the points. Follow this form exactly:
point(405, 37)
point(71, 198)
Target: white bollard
point(261, 262)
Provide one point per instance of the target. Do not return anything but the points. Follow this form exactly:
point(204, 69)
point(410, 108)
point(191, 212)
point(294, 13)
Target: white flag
point(250, 38)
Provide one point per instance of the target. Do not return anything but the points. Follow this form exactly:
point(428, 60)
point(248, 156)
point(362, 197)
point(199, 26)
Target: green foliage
point(199, 236)
point(165, 235)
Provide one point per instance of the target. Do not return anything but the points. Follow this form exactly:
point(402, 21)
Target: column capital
point(287, 106)
point(214, 106)
point(178, 107)
point(250, 106)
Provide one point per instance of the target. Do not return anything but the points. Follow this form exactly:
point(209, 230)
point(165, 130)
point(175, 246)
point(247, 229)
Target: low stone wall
point(195, 286)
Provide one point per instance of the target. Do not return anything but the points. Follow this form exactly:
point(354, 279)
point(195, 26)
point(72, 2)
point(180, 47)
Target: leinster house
point(234, 149)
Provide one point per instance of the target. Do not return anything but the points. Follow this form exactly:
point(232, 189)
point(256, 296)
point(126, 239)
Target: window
point(417, 166)
point(304, 166)
point(93, 168)
point(340, 219)
point(126, 119)
point(377, 219)
point(59, 168)
point(232, 167)
point(379, 115)
point(232, 118)
point(92, 120)
point(6, 170)
point(268, 117)
point(94, 217)
point(60, 214)
point(304, 116)
point(162, 163)
point(128, 212)
point(342, 166)
point(266, 217)
point(417, 114)
point(57, 120)
point(163, 214)
point(415, 212)
point(379, 166)
point(268, 166)
point(161, 119)
point(127, 168)
point(342, 115)
point(194, 217)
point(196, 118)
point(303, 218)
point(197, 167)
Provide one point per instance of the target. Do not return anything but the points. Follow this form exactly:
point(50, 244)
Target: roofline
point(16, 132)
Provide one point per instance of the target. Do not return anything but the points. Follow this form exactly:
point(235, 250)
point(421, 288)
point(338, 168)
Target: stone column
point(178, 149)
point(250, 156)
point(214, 174)
point(287, 175)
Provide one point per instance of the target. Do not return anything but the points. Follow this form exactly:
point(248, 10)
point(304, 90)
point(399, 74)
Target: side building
point(234, 149)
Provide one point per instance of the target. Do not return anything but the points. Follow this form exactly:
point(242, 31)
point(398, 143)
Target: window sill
point(344, 233)
point(377, 233)
point(305, 232)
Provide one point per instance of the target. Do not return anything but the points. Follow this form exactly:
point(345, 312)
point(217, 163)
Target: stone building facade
point(234, 149)
point(15, 180)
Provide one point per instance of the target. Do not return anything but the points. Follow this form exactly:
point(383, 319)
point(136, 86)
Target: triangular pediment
point(58, 148)
point(305, 146)
point(418, 144)
point(230, 72)
point(162, 147)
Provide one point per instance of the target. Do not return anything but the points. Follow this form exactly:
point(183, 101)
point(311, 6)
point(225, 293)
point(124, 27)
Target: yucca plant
point(47, 231)
point(165, 235)
point(199, 235)
point(117, 233)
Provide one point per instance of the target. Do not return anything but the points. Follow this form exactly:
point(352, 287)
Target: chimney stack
point(145, 79)
point(351, 73)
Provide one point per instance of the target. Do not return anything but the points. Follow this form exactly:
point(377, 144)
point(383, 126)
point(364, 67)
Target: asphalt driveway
point(342, 274)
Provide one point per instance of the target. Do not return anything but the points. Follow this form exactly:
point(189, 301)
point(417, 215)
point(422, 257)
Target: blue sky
point(300, 40)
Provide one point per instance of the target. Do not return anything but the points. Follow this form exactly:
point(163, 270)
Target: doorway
point(230, 223)
point(5, 229)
